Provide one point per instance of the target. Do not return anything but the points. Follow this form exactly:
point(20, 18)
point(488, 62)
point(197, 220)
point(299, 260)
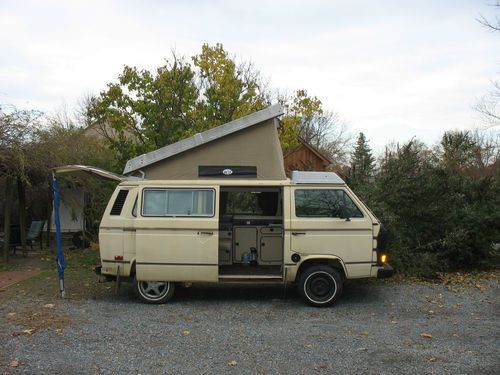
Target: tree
point(146, 110)
point(143, 110)
point(31, 144)
point(489, 106)
point(437, 203)
point(493, 25)
point(227, 90)
point(17, 135)
point(323, 129)
point(362, 164)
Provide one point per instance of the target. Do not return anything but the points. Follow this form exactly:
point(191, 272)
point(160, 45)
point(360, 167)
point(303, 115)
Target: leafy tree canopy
point(227, 90)
point(144, 111)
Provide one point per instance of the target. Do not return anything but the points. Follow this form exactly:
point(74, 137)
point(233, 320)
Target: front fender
point(292, 272)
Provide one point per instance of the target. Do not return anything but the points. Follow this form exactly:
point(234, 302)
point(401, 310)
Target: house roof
point(203, 138)
point(313, 149)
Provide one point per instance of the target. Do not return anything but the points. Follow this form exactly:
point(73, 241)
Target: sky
point(391, 69)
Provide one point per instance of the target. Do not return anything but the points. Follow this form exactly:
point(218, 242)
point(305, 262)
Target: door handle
point(209, 233)
point(299, 233)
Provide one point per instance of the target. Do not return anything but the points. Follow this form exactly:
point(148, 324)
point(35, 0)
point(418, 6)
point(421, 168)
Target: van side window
point(119, 202)
point(324, 203)
point(178, 202)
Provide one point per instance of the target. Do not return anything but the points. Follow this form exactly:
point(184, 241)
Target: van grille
point(119, 202)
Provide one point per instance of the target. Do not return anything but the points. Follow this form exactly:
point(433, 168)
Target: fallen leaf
point(11, 314)
point(232, 363)
point(322, 366)
point(59, 331)
point(186, 333)
point(363, 333)
point(430, 312)
point(426, 335)
point(24, 332)
point(308, 345)
point(49, 306)
point(14, 363)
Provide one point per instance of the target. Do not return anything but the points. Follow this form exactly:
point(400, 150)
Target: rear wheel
point(320, 285)
point(154, 291)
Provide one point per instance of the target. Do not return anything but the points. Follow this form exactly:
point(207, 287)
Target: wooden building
point(305, 158)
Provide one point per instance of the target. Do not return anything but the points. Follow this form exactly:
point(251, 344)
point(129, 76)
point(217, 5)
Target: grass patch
point(80, 280)
point(8, 266)
point(82, 258)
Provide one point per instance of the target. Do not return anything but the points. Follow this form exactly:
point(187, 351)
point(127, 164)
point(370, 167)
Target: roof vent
point(300, 177)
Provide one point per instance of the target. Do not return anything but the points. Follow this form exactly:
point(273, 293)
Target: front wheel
point(320, 285)
point(154, 291)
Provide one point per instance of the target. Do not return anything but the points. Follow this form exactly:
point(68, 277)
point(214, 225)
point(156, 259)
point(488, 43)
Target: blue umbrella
point(61, 262)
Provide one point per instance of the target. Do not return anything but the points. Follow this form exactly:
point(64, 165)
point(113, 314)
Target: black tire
point(154, 292)
point(320, 285)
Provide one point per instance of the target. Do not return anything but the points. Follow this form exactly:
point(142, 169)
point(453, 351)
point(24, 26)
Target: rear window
point(178, 202)
point(119, 202)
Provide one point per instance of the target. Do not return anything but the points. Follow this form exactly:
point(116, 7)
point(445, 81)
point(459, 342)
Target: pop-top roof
point(202, 138)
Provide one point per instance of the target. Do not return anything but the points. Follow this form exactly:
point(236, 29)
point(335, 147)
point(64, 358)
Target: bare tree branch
point(493, 25)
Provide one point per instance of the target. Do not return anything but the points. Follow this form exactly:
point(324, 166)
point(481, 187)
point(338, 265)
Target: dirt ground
point(395, 326)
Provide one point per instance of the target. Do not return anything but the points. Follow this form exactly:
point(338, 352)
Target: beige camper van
point(310, 230)
point(218, 207)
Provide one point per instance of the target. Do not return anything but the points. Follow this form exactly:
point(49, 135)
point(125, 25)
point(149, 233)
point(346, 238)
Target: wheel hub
point(153, 289)
point(320, 287)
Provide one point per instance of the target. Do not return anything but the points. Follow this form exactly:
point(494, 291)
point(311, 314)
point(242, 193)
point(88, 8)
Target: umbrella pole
point(61, 262)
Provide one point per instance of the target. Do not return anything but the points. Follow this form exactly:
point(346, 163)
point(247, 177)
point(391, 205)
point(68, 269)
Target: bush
point(442, 208)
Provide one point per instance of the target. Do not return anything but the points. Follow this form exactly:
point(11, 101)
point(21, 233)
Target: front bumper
point(385, 271)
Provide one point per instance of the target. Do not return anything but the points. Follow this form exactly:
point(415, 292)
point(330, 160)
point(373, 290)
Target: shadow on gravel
point(228, 293)
point(358, 292)
point(361, 292)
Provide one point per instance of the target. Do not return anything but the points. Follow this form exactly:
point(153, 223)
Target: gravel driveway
point(375, 328)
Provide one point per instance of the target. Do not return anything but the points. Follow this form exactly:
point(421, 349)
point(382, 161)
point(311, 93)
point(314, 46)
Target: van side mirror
point(344, 213)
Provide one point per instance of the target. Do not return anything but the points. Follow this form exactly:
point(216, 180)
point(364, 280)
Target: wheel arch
point(132, 268)
point(332, 261)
